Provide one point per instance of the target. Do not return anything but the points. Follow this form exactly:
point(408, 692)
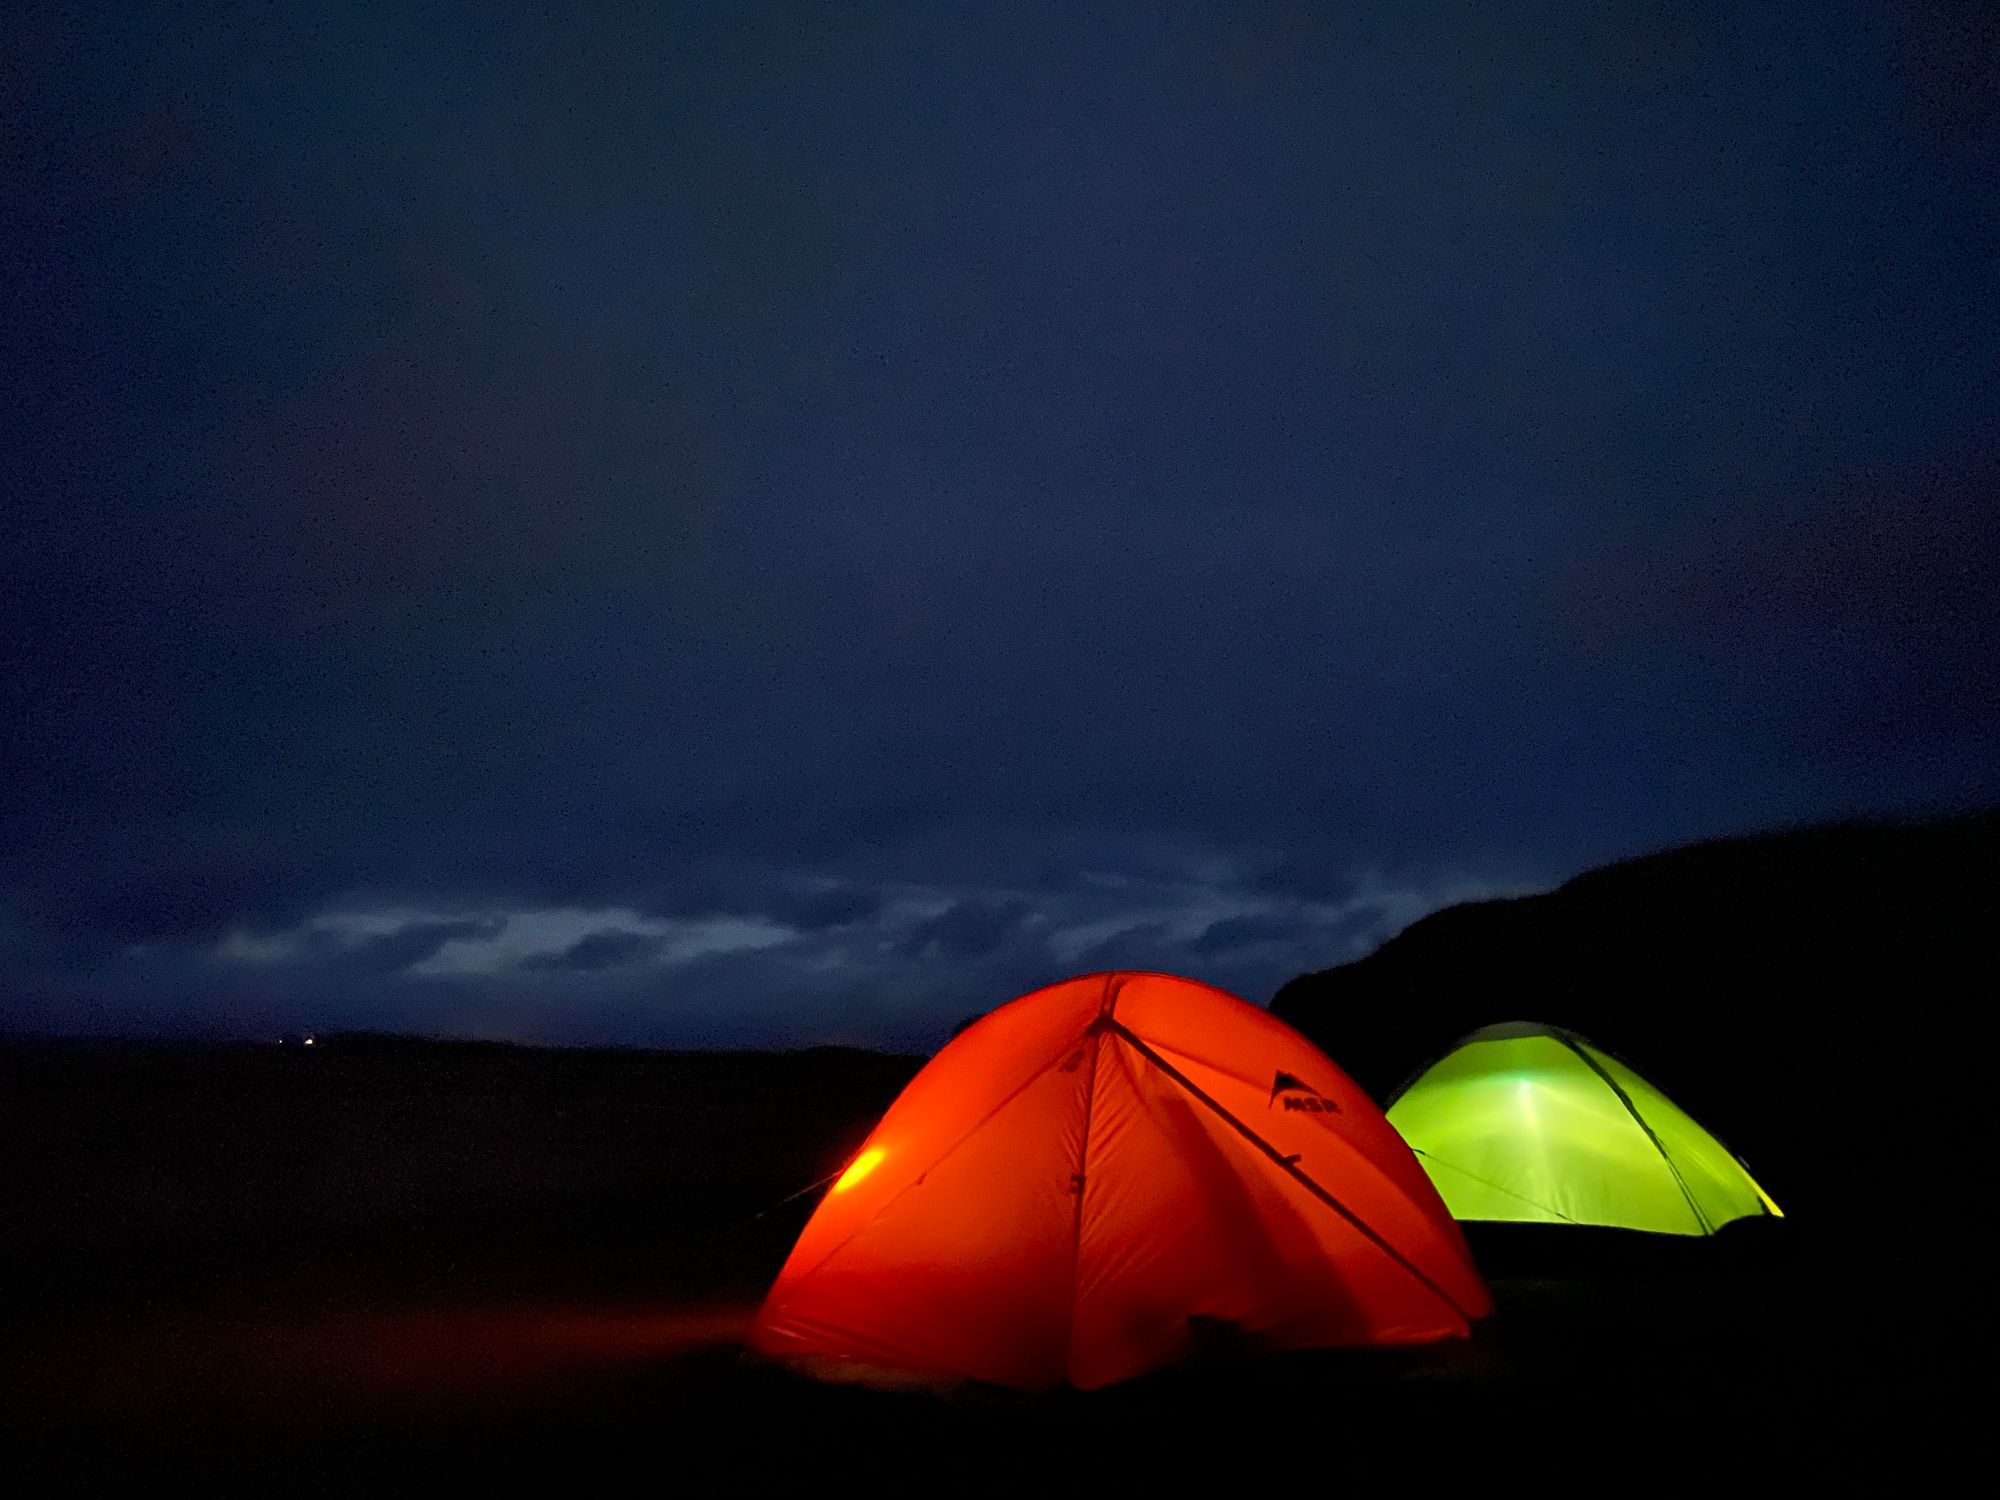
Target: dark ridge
point(1817, 997)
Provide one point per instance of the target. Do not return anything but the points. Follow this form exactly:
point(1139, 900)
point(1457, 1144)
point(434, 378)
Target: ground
point(384, 1260)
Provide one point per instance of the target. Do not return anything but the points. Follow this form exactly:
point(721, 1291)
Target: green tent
point(1530, 1123)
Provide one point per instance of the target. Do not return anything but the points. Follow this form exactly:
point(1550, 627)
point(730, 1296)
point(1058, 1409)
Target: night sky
point(742, 525)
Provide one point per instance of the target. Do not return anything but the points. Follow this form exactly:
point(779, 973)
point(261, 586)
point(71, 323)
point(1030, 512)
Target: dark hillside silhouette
point(1817, 997)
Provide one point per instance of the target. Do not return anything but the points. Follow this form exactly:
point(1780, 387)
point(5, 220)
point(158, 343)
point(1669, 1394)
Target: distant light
point(309, 1041)
point(859, 1168)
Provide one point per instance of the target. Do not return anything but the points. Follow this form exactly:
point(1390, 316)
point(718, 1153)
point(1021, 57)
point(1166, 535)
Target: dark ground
point(378, 1264)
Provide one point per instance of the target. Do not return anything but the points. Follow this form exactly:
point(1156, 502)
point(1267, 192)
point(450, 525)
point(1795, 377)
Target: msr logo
point(1300, 1095)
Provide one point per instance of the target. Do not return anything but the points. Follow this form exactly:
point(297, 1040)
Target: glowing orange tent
point(1086, 1176)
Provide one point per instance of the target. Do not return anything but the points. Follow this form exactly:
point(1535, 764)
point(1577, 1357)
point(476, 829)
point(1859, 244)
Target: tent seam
point(1374, 1237)
point(1632, 1109)
point(1485, 1182)
point(970, 1131)
point(1082, 1187)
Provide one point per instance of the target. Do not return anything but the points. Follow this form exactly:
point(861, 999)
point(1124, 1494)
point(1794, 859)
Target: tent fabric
point(1525, 1123)
point(1084, 1178)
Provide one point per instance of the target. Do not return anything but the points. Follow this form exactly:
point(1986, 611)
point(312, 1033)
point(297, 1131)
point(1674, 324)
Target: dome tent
point(1525, 1123)
point(1085, 1177)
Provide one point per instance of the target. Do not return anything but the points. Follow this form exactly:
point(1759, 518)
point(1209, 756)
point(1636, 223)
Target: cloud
point(816, 910)
point(1246, 931)
point(1141, 946)
point(966, 929)
point(164, 879)
point(406, 947)
point(1310, 874)
point(911, 959)
point(613, 948)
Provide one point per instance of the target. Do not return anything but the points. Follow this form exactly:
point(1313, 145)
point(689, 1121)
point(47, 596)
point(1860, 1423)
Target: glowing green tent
point(1530, 1123)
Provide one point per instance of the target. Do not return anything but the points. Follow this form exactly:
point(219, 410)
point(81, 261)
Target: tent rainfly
point(1532, 1124)
point(1089, 1177)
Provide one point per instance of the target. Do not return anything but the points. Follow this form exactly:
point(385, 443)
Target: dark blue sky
point(739, 524)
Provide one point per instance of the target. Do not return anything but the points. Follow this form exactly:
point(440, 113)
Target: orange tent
point(1088, 1175)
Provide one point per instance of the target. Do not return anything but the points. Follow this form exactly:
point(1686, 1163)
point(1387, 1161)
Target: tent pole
point(1284, 1162)
point(1575, 1044)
